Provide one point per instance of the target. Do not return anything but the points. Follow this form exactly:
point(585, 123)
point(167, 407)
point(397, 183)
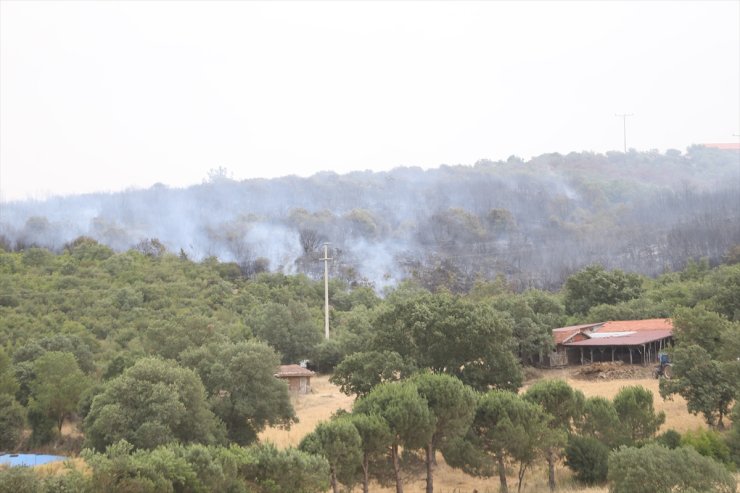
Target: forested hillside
point(163, 367)
point(534, 222)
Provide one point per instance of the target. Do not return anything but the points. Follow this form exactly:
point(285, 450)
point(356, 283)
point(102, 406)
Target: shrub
point(19, 480)
point(28, 480)
point(708, 443)
point(588, 458)
point(733, 436)
point(12, 421)
point(120, 469)
point(270, 470)
point(656, 469)
point(326, 355)
point(670, 439)
point(43, 429)
point(634, 406)
point(600, 421)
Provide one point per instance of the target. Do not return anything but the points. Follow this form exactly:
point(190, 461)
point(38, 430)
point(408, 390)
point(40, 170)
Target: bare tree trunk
point(397, 468)
point(522, 470)
point(551, 469)
point(502, 474)
point(334, 485)
point(365, 473)
point(430, 468)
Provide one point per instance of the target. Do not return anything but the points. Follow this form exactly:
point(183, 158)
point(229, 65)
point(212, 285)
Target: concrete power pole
point(326, 289)
point(624, 116)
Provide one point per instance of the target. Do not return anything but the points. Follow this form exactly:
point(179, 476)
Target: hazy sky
point(98, 96)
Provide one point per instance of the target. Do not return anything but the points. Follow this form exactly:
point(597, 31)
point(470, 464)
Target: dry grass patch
point(448, 480)
point(323, 401)
point(677, 417)
point(63, 467)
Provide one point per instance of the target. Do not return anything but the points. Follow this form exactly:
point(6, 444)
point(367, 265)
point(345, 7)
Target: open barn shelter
point(629, 341)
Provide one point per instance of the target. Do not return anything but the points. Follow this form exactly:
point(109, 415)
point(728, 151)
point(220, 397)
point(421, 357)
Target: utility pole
point(624, 116)
point(326, 289)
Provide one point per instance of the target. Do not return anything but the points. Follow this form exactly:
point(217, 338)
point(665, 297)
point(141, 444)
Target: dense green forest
point(534, 222)
point(166, 366)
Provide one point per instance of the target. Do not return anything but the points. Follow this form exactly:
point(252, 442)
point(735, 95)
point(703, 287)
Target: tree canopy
point(57, 386)
point(242, 390)
point(447, 334)
point(153, 403)
point(407, 415)
point(595, 285)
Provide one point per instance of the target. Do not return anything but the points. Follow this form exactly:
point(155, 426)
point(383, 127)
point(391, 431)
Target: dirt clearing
point(323, 401)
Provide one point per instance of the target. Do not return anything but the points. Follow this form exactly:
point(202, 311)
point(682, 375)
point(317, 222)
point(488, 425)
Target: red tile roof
point(637, 325)
point(626, 332)
point(634, 339)
point(293, 371)
point(564, 333)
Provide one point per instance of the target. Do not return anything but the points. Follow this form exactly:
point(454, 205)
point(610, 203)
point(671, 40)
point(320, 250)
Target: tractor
point(663, 370)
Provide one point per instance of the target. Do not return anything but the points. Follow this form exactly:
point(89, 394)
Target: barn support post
point(630, 355)
point(592, 355)
point(581, 355)
point(644, 355)
point(613, 353)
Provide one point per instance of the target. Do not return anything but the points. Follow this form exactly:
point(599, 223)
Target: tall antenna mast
point(326, 289)
point(624, 116)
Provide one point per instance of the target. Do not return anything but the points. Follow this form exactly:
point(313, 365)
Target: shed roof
point(293, 371)
point(637, 325)
point(622, 339)
point(565, 333)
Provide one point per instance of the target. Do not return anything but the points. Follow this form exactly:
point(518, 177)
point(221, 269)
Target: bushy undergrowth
point(656, 469)
point(177, 468)
point(588, 458)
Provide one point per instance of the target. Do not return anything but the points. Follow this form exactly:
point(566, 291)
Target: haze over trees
point(534, 222)
point(165, 361)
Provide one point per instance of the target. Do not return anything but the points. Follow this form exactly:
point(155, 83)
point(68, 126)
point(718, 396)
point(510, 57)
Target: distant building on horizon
point(730, 146)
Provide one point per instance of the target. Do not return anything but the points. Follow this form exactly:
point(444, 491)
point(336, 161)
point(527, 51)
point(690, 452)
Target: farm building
point(298, 378)
point(563, 335)
point(629, 341)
